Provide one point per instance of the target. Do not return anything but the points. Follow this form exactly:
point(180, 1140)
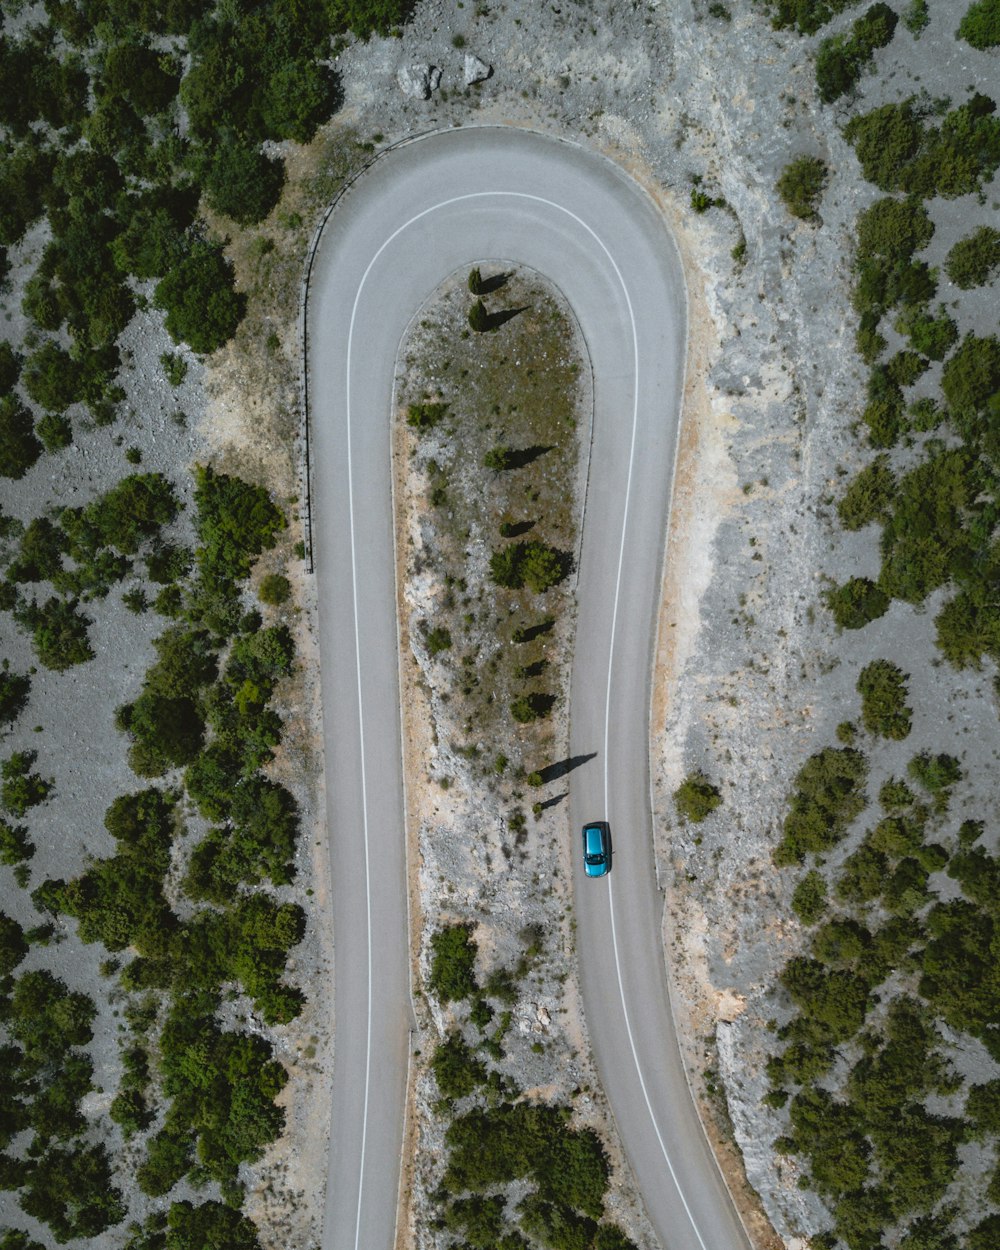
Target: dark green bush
point(528, 563)
point(197, 294)
point(479, 318)
point(801, 186)
point(883, 690)
point(971, 377)
point(55, 431)
point(981, 24)
point(829, 794)
point(806, 16)
point(166, 732)
point(425, 416)
point(71, 1191)
point(841, 59)
point(974, 260)
point(869, 495)
point(235, 522)
point(936, 773)
point(242, 183)
point(22, 789)
point(453, 963)
point(14, 691)
point(856, 603)
point(10, 366)
point(696, 797)
point(13, 949)
point(136, 73)
point(933, 337)
point(15, 846)
point(19, 448)
point(809, 898)
point(531, 707)
point(456, 1069)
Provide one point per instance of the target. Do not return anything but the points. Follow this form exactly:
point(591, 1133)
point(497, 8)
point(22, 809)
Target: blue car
point(597, 848)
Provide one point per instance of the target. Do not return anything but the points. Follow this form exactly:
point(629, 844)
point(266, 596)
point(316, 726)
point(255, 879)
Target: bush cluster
point(841, 59)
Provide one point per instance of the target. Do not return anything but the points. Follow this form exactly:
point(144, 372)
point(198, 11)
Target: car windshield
point(594, 859)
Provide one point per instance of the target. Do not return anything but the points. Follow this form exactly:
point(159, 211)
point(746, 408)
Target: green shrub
point(15, 847)
point(809, 898)
point(933, 337)
point(274, 589)
point(55, 431)
point(456, 1069)
point(974, 260)
point(19, 448)
point(898, 153)
point(453, 963)
point(59, 633)
point(806, 16)
point(905, 367)
point(829, 794)
point(22, 789)
point(479, 318)
point(528, 563)
point(981, 24)
point(129, 1110)
point(841, 943)
point(696, 797)
point(14, 691)
point(13, 947)
point(531, 707)
point(425, 416)
point(242, 183)
point(235, 522)
point(882, 686)
point(856, 603)
point(916, 17)
point(437, 639)
point(936, 773)
point(869, 495)
point(197, 294)
point(71, 1191)
point(841, 59)
point(971, 377)
point(801, 186)
point(475, 282)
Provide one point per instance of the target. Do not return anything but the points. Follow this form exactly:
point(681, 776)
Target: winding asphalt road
point(426, 209)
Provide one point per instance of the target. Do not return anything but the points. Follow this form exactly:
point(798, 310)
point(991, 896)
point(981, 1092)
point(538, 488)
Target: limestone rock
point(415, 80)
point(476, 70)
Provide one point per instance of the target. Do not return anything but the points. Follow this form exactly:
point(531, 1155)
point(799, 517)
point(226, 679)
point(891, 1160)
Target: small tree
point(696, 797)
point(22, 788)
point(19, 448)
point(475, 281)
point(981, 24)
point(882, 686)
point(479, 318)
point(975, 260)
point(801, 185)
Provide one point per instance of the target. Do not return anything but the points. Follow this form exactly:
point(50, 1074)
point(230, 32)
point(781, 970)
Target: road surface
point(423, 211)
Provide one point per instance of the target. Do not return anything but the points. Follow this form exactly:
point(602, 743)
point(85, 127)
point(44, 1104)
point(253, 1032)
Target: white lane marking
point(458, 199)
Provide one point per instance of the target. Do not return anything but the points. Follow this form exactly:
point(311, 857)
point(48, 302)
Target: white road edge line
point(458, 199)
